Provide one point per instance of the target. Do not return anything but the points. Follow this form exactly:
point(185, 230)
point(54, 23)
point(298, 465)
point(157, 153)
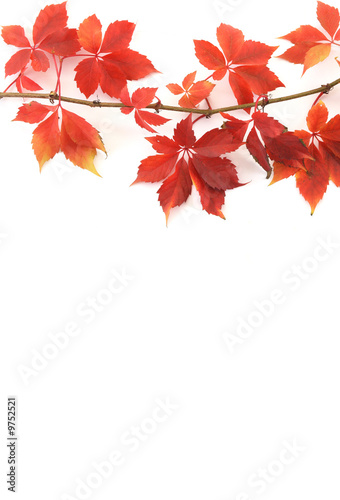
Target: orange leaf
point(15, 35)
point(282, 171)
point(46, 139)
point(328, 17)
point(313, 182)
point(90, 34)
point(79, 141)
point(316, 54)
point(317, 116)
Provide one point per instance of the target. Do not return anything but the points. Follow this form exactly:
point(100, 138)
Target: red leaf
point(163, 144)
point(257, 150)
point(111, 78)
point(267, 125)
point(241, 89)
point(29, 84)
point(15, 35)
point(328, 17)
point(88, 76)
point(176, 188)
point(143, 97)
point(114, 63)
point(212, 199)
point(259, 78)
point(286, 147)
point(254, 53)
point(235, 126)
point(199, 91)
point(231, 41)
point(332, 162)
point(146, 118)
point(211, 174)
point(250, 58)
point(183, 134)
point(62, 43)
point(50, 20)
point(313, 183)
point(17, 62)
point(46, 139)
point(331, 130)
point(216, 142)
point(117, 36)
point(219, 173)
point(156, 168)
point(209, 55)
point(134, 65)
point(126, 100)
point(33, 112)
point(39, 61)
point(304, 34)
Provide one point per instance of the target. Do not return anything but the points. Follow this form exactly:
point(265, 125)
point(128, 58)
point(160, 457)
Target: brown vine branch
point(323, 89)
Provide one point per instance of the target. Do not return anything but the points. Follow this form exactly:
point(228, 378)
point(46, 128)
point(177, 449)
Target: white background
point(190, 286)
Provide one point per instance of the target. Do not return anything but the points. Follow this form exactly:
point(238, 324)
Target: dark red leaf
point(176, 189)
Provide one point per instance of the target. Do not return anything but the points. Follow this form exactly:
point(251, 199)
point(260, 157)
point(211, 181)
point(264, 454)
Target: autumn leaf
point(141, 98)
point(79, 141)
point(75, 137)
point(326, 135)
point(33, 112)
point(312, 182)
point(113, 62)
point(310, 45)
point(245, 61)
point(184, 161)
point(194, 92)
point(323, 141)
point(50, 34)
point(267, 140)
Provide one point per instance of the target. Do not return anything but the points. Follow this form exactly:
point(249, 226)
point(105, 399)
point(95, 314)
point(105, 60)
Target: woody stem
point(206, 111)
